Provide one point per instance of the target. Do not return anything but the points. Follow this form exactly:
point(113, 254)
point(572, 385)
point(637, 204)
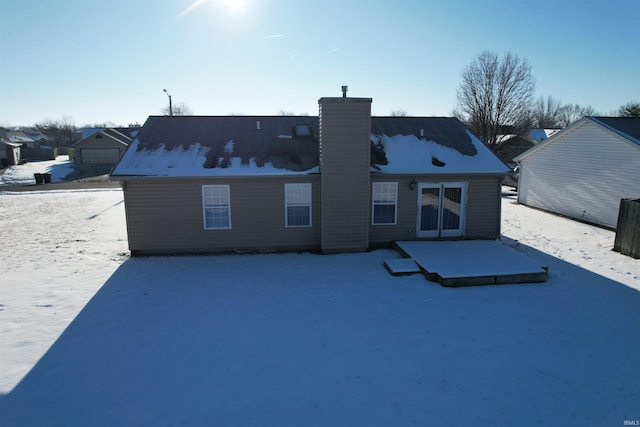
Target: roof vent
point(344, 91)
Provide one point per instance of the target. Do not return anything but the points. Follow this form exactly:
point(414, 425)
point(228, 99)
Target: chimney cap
point(344, 91)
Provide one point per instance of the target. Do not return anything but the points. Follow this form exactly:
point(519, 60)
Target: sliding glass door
point(441, 209)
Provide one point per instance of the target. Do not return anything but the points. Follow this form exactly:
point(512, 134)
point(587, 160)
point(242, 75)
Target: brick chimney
point(345, 151)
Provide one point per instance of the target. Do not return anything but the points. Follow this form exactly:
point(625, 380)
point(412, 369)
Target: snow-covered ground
point(91, 337)
point(23, 174)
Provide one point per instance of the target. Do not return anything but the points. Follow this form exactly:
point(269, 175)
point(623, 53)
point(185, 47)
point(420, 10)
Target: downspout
point(500, 181)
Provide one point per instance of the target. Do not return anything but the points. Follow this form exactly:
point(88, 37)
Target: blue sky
point(109, 60)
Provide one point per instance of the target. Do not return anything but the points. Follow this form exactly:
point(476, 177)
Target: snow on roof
point(18, 137)
point(250, 146)
point(410, 154)
point(541, 134)
point(181, 161)
point(535, 134)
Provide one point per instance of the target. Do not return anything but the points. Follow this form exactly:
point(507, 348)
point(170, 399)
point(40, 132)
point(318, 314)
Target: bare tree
point(550, 113)
point(282, 113)
point(106, 125)
point(546, 113)
point(571, 113)
point(496, 93)
point(630, 109)
point(399, 113)
point(61, 132)
point(180, 109)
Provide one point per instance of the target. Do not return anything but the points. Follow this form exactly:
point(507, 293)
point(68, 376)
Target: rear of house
point(584, 170)
point(340, 182)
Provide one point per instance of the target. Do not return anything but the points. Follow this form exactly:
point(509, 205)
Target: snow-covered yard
point(23, 174)
point(90, 337)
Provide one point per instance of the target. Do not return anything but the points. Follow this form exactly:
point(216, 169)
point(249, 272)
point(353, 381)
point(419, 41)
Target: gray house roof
point(628, 127)
point(111, 134)
point(129, 132)
point(285, 145)
point(18, 137)
point(114, 133)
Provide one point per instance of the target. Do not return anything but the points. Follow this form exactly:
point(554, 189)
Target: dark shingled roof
point(629, 127)
point(446, 131)
point(264, 138)
point(513, 147)
point(288, 142)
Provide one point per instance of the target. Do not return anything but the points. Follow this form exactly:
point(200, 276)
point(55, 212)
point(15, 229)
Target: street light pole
point(170, 106)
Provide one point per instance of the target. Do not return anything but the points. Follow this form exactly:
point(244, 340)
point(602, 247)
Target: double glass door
point(441, 209)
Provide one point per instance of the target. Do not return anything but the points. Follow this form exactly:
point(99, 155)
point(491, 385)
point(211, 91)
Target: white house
point(584, 170)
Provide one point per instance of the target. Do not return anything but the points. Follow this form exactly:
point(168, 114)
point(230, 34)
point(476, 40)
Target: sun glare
point(229, 6)
point(234, 6)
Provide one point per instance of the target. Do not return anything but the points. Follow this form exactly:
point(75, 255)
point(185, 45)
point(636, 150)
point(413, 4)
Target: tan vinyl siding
point(94, 142)
point(582, 174)
point(99, 149)
point(482, 217)
point(166, 216)
point(100, 156)
point(484, 200)
point(345, 125)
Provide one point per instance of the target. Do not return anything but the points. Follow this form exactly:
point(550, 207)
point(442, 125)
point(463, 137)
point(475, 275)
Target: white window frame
point(440, 231)
point(296, 195)
point(377, 188)
point(224, 201)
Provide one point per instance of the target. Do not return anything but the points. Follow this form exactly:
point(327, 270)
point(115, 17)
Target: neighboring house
point(511, 146)
point(9, 153)
point(104, 147)
point(129, 131)
point(38, 137)
point(21, 138)
point(340, 182)
point(584, 170)
point(29, 149)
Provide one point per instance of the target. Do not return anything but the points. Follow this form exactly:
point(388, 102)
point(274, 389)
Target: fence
point(37, 153)
point(628, 231)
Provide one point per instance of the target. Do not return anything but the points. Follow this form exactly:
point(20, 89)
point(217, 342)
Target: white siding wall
point(582, 174)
